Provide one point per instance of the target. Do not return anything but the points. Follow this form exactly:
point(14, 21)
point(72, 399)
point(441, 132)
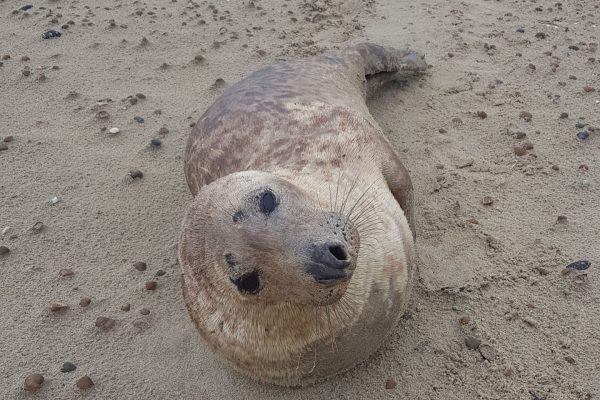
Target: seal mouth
point(327, 275)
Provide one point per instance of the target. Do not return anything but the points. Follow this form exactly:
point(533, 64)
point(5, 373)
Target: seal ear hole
point(238, 217)
point(248, 283)
point(268, 202)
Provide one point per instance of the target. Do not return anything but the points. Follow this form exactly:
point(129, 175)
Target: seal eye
point(249, 283)
point(268, 202)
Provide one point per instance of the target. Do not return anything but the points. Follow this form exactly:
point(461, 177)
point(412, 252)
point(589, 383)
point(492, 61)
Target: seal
point(296, 251)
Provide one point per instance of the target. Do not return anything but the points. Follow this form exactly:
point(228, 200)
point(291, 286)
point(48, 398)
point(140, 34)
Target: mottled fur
point(302, 129)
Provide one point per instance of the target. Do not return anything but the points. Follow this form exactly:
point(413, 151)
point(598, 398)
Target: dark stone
point(51, 34)
point(68, 367)
point(580, 265)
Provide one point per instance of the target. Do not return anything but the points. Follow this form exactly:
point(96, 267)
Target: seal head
point(270, 241)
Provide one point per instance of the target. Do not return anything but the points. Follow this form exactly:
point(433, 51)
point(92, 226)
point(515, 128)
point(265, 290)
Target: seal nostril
point(338, 252)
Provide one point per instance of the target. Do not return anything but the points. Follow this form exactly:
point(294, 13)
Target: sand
point(497, 268)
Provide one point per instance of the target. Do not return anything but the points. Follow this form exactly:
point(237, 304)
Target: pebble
point(199, 59)
point(487, 352)
point(155, 142)
point(528, 145)
point(68, 367)
point(33, 382)
point(56, 306)
point(65, 272)
point(101, 115)
point(3, 146)
point(38, 227)
point(482, 114)
point(140, 96)
point(525, 115)
point(113, 131)
point(163, 131)
point(521, 30)
point(105, 323)
point(8, 139)
point(580, 125)
point(531, 322)
point(555, 167)
point(464, 320)
point(570, 360)
point(151, 285)
point(487, 201)
point(85, 382)
point(140, 265)
point(136, 174)
point(85, 301)
point(519, 150)
point(144, 311)
point(160, 272)
point(564, 115)
point(26, 72)
point(51, 34)
point(583, 135)
point(126, 307)
point(4, 250)
point(390, 384)
point(139, 120)
point(561, 219)
point(472, 343)
point(584, 167)
point(580, 265)
point(588, 89)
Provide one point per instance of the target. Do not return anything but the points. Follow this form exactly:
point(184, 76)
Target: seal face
point(296, 250)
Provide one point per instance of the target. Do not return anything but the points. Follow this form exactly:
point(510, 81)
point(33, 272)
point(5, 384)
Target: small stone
point(473, 221)
point(26, 72)
point(531, 322)
point(521, 30)
point(51, 34)
point(68, 367)
point(564, 115)
point(126, 307)
point(390, 384)
point(163, 131)
point(584, 167)
point(38, 227)
point(56, 306)
point(199, 59)
point(464, 320)
point(472, 343)
point(519, 150)
point(144, 311)
point(528, 145)
point(583, 135)
point(114, 131)
point(525, 115)
point(482, 114)
point(442, 130)
point(580, 265)
point(487, 352)
point(140, 265)
point(555, 167)
point(65, 272)
point(541, 35)
point(157, 112)
point(580, 125)
point(85, 301)
point(570, 360)
point(102, 115)
point(155, 142)
point(3, 146)
point(140, 96)
point(4, 250)
point(133, 101)
point(42, 77)
point(33, 382)
point(85, 382)
point(219, 83)
point(105, 323)
point(8, 139)
point(139, 120)
point(160, 272)
point(561, 219)
point(588, 89)
point(151, 285)
point(487, 201)
point(25, 58)
point(136, 174)
point(520, 135)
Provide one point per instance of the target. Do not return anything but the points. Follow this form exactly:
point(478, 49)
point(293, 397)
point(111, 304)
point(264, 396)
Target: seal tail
point(384, 64)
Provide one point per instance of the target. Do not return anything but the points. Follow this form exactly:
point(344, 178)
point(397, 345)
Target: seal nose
point(329, 261)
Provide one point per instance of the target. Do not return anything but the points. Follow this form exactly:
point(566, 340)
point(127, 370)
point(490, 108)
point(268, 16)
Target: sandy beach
point(501, 137)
